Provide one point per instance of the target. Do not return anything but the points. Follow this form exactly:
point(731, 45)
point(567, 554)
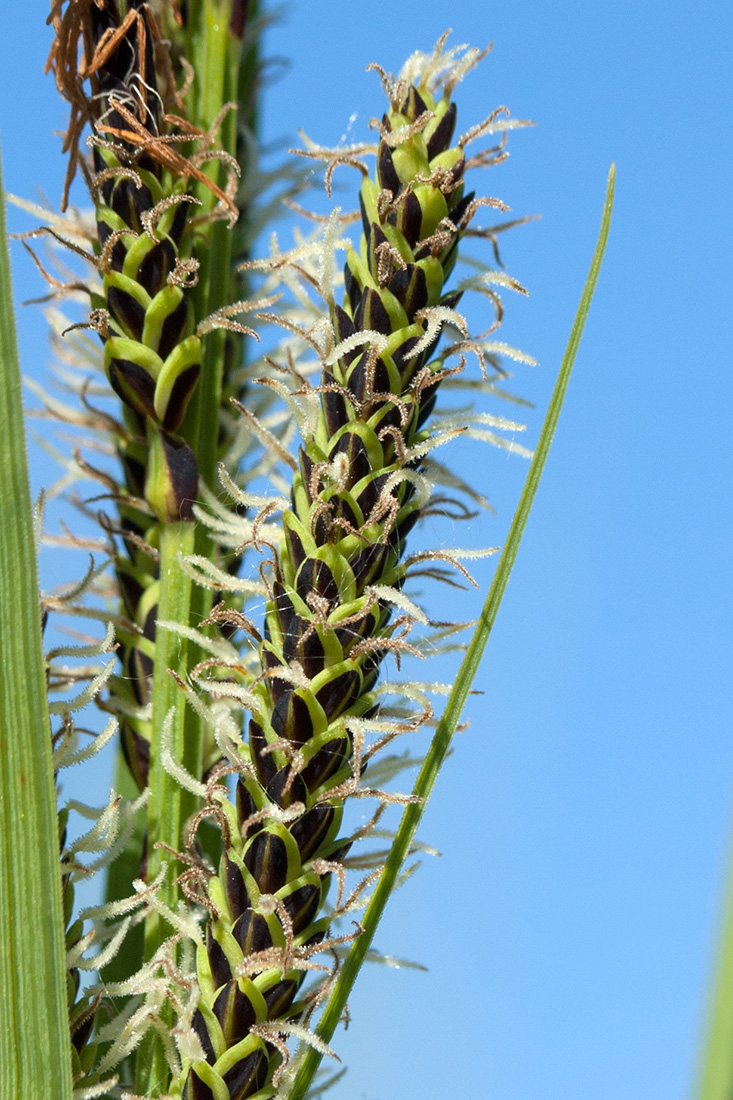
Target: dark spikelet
point(221, 971)
point(154, 363)
point(235, 1013)
point(252, 933)
point(196, 1089)
point(355, 495)
point(141, 184)
point(248, 1076)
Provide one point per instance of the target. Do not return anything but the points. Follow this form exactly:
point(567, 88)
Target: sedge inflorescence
point(333, 579)
point(359, 373)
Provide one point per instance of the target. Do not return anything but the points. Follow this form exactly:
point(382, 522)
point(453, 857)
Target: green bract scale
point(328, 619)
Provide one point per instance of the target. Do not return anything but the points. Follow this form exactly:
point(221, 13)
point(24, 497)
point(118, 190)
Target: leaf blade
point(35, 1058)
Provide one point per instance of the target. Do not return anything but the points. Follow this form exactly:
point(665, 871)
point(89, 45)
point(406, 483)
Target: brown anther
point(389, 260)
point(185, 273)
point(98, 322)
point(161, 150)
point(443, 179)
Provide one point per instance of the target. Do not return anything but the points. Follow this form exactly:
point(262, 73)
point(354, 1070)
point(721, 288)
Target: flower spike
point(335, 607)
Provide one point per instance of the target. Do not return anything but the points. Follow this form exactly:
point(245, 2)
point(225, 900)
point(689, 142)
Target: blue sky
point(570, 924)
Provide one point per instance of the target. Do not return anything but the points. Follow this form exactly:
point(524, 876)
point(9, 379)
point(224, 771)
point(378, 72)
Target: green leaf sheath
point(451, 716)
point(34, 1031)
point(328, 621)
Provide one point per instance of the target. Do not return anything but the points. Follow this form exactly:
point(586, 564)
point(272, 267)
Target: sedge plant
point(242, 895)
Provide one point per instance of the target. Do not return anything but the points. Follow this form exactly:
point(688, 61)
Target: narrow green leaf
point(35, 1059)
point(446, 728)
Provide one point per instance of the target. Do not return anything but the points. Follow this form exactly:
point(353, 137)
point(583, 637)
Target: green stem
point(169, 805)
point(447, 725)
point(35, 1058)
point(215, 54)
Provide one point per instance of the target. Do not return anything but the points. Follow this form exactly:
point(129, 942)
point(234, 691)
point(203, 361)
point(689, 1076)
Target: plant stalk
point(169, 804)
